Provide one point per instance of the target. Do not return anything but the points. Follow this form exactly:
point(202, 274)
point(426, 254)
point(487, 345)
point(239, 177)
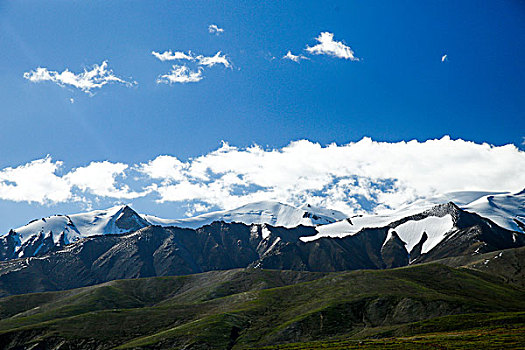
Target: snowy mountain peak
point(41, 235)
point(262, 212)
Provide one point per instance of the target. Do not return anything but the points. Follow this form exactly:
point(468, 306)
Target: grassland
point(424, 306)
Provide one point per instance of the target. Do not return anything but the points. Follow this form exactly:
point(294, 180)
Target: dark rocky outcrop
point(393, 251)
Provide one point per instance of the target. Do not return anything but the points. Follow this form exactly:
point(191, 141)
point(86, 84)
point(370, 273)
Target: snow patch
point(265, 232)
point(435, 228)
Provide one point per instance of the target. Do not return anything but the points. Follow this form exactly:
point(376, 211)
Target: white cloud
point(86, 81)
point(183, 74)
point(207, 61)
point(295, 58)
point(180, 74)
point(327, 46)
point(210, 61)
point(444, 58)
point(171, 56)
point(38, 181)
point(165, 167)
point(214, 29)
point(35, 181)
point(99, 179)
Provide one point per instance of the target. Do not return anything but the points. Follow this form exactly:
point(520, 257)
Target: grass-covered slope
point(509, 264)
point(469, 331)
point(253, 308)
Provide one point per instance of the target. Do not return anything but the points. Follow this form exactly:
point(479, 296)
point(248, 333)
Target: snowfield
point(264, 212)
point(435, 227)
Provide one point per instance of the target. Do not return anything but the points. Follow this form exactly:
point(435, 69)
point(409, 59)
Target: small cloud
point(86, 81)
point(171, 56)
point(269, 57)
point(295, 58)
point(72, 100)
point(214, 29)
point(327, 46)
point(444, 58)
point(182, 75)
point(213, 60)
point(523, 141)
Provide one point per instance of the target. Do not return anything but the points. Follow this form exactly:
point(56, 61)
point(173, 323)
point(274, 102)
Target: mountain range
point(40, 236)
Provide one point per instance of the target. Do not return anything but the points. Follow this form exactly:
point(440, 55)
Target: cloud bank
point(328, 46)
point(363, 176)
point(86, 81)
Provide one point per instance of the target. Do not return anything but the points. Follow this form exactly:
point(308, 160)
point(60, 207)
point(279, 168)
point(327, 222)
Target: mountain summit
point(41, 235)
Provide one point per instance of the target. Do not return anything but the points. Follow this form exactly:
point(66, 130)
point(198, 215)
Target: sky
point(181, 107)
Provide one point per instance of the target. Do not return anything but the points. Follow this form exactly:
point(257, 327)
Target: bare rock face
point(416, 251)
point(8, 244)
point(129, 220)
point(393, 252)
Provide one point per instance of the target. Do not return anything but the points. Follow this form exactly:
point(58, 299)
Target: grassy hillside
point(509, 264)
point(471, 331)
point(251, 308)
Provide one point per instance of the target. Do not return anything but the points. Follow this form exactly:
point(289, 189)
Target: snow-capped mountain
point(264, 212)
point(41, 235)
point(435, 222)
point(505, 209)
point(441, 232)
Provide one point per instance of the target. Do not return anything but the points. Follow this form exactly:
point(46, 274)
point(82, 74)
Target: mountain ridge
point(51, 233)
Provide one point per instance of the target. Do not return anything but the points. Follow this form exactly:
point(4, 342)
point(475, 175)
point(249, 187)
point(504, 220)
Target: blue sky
point(398, 90)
